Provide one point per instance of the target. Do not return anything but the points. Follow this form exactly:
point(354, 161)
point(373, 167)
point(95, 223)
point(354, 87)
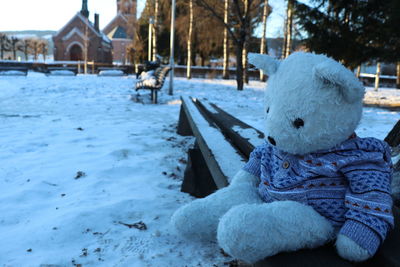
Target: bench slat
point(243, 136)
point(222, 159)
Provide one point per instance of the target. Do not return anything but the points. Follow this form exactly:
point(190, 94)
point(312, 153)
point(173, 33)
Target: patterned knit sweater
point(348, 184)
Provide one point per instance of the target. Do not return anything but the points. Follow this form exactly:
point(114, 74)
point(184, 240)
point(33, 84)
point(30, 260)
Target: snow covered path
point(81, 163)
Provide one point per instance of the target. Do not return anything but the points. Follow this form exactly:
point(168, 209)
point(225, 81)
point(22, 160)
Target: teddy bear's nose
point(271, 140)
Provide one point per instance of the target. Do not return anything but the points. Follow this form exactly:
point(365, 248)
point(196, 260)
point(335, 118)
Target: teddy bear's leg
point(199, 219)
point(253, 232)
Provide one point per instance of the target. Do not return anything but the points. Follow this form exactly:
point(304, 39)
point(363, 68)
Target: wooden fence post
point(378, 73)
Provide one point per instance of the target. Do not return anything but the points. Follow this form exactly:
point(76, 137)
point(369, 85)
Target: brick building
point(121, 29)
point(79, 33)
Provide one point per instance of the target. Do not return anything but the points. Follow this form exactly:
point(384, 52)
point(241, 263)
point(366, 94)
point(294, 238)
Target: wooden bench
point(159, 74)
point(14, 70)
point(222, 146)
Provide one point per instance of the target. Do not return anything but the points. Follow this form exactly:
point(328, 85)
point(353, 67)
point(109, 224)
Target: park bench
point(58, 70)
point(159, 78)
point(223, 144)
point(13, 70)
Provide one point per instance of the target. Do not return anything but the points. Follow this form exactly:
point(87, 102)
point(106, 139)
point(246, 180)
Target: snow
point(82, 165)
point(12, 73)
point(62, 73)
point(111, 73)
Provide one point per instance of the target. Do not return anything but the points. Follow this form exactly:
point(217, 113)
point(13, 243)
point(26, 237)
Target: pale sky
point(18, 15)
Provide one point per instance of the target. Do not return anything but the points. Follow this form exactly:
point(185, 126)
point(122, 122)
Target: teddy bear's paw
point(240, 234)
point(251, 232)
point(196, 221)
point(350, 250)
point(199, 219)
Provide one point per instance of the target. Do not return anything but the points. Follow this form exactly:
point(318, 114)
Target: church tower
point(126, 7)
point(121, 29)
point(84, 10)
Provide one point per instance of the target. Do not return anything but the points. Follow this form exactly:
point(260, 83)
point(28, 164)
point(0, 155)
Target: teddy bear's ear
point(335, 73)
point(264, 62)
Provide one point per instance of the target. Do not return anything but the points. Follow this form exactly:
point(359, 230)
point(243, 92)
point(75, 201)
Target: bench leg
point(151, 96)
point(154, 96)
point(197, 180)
point(183, 124)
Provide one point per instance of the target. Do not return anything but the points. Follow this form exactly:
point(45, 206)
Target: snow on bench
point(221, 159)
point(13, 71)
point(62, 71)
point(153, 81)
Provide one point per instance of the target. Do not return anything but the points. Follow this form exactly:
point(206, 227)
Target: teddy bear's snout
point(271, 140)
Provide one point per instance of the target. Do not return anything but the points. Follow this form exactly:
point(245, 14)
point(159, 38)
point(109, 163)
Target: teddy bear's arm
point(369, 216)
point(260, 154)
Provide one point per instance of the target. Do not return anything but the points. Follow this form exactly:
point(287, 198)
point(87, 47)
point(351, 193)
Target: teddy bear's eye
point(298, 123)
point(267, 109)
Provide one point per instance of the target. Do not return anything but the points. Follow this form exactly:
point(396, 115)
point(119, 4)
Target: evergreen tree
point(350, 31)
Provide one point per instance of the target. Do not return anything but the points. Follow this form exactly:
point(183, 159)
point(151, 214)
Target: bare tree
point(189, 41)
point(34, 48)
point(225, 72)
point(244, 16)
point(14, 42)
point(4, 44)
point(287, 41)
point(155, 29)
point(130, 52)
point(24, 47)
point(264, 33)
point(43, 48)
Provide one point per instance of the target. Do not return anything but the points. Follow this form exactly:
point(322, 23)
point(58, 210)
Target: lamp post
point(172, 43)
point(151, 22)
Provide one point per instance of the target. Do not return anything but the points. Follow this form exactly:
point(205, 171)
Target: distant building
point(120, 29)
point(79, 35)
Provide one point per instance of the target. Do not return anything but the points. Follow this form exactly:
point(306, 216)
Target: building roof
point(90, 26)
point(118, 33)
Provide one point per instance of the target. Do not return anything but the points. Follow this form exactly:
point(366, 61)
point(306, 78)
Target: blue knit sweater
point(348, 184)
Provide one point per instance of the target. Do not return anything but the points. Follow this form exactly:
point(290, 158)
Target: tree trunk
point(377, 75)
point(225, 73)
point(287, 43)
point(398, 75)
point(245, 33)
point(264, 33)
point(239, 65)
point(14, 50)
point(358, 71)
point(155, 29)
point(189, 42)
point(26, 52)
point(245, 63)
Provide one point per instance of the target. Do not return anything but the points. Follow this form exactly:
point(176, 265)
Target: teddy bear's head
point(312, 102)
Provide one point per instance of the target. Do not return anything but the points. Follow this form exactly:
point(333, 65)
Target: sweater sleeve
point(369, 216)
point(253, 166)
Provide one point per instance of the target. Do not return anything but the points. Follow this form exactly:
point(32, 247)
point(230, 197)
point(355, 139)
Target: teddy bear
point(312, 181)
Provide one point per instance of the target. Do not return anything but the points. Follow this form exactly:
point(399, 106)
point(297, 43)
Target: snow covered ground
point(89, 177)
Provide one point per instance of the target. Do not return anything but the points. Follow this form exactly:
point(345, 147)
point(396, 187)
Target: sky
point(54, 14)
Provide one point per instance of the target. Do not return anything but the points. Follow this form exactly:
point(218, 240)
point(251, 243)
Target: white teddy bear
point(313, 181)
